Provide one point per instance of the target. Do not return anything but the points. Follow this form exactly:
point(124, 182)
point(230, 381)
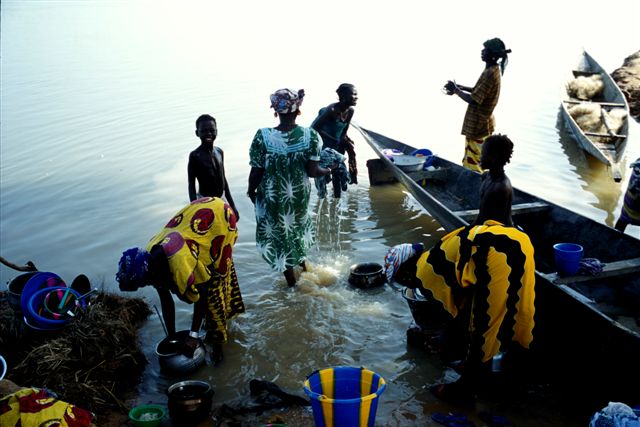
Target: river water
point(98, 103)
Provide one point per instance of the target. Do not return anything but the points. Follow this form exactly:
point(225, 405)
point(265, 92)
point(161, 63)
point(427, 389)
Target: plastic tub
point(427, 154)
point(52, 303)
point(409, 163)
point(567, 258)
point(38, 281)
point(147, 415)
point(344, 396)
point(36, 314)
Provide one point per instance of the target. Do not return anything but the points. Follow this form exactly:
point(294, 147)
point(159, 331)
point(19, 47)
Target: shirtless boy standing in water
point(206, 164)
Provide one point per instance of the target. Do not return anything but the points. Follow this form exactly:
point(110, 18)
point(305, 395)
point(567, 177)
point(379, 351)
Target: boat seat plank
point(520, 208)
point(605, 146)
point(605, 135)
point(578, 73)
point(603, 104)
point(611, 269)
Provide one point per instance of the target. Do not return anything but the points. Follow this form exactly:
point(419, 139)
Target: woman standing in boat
point(332, 123)
point(482, 98)
point(282, 159)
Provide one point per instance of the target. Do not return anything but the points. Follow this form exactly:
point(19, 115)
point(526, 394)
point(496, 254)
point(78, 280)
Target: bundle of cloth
point(585, 87)
point(340, 175)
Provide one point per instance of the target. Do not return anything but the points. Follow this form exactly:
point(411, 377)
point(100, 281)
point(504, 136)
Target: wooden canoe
point(582, 322)
point(606, 145)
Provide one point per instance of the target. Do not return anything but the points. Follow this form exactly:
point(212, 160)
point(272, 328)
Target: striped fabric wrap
point(489, 271)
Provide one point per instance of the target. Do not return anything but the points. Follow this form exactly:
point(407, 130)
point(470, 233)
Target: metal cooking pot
point(172, 361)
point(14, 291)
point(428, 313)
point(189, 402)
point(367, 275)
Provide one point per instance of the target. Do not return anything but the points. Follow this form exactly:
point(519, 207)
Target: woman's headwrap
point(497, 48)
point(133, 269)
point(398, 255)
point(285, 101)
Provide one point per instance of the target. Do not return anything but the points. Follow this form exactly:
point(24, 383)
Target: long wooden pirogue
point(607, 144)
point(587, 327)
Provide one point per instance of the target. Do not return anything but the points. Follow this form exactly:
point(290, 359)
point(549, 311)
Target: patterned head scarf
point(285, 101)
point(399, 254)
point(497, 48)
point(133, 269)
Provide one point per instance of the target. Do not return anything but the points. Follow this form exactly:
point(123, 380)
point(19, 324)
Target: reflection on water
point(410, 223)
point(596, 177)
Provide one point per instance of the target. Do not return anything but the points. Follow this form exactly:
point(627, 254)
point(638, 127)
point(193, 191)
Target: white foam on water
point(328, 281)
point(366, 309)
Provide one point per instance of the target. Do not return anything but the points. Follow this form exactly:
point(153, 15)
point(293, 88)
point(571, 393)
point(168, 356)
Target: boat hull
point(607, 148)
point(575, 331)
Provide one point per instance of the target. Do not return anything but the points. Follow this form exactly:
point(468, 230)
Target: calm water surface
point(98, 102)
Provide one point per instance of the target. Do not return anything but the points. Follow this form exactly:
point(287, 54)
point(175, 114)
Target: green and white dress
point(284, 230)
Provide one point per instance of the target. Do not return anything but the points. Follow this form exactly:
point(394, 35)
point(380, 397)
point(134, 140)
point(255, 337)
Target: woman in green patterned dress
point(282, 159)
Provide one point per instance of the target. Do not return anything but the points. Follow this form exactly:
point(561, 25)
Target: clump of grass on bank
point(91, 363)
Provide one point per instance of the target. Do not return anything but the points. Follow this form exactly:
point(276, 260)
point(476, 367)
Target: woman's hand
point(450, 87)
point(252, 196)
point(189, 346)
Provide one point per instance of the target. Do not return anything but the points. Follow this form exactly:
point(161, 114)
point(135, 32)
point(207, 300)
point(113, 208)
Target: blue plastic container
point(424, 152)
point(38, 281)
point(344, 396)
point(36, 314)
point(567, 258)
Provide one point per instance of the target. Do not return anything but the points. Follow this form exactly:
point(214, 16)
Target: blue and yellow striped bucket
point(344, 396)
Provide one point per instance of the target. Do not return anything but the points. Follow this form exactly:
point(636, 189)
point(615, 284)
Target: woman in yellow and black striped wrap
point(489, 271)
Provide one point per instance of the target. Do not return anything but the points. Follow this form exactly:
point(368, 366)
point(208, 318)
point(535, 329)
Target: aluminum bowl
point(409, 163)
point(367, 275)
point(172, 361)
